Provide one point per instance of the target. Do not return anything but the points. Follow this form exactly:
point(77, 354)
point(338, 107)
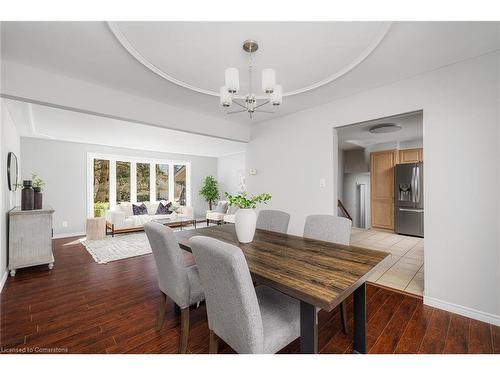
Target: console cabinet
point(30, 238)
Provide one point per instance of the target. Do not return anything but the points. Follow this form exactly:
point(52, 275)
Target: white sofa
point(222, 217)
point(122, 219)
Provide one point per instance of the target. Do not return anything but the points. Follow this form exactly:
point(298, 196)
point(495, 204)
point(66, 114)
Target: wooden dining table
point(319, 274)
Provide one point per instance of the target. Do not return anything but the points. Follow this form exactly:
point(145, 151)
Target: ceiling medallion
point(250, 103)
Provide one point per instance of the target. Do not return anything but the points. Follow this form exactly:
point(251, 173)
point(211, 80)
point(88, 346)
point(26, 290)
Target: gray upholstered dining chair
point(250, 320)
point(331, 229)
point(176, 280)
point(273, 220)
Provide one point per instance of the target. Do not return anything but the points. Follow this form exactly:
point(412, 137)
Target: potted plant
point(246, 218)
point(38, 185)
point(100, 209)
point(210, 191)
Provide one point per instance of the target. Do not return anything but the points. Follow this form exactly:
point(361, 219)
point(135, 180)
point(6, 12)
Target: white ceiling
point(197, 52)
point(39, 121)
point(358, 136)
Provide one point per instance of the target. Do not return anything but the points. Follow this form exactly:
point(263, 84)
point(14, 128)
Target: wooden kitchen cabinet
point(411, 155)
point(382, 188)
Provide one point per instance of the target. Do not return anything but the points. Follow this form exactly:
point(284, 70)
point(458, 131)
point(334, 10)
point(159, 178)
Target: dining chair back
point(232, 305)
point(172, 271)
point(328, 228)
point(273, 220)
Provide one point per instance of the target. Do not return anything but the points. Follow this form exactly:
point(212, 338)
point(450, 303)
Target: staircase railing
point(343, 209)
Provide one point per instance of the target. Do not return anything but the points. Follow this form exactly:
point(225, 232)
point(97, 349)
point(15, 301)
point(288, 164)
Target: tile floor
point(404, 270)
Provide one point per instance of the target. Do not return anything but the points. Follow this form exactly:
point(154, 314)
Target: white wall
point(9, 142)
point(229, 168)
point(460, 103)
point(340, 176)
point(63, 166)
point(24, 81)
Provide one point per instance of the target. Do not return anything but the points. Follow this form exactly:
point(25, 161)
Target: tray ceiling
point(195, 54)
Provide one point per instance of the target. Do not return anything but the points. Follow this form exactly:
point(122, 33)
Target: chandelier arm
point(239, 111)
point(241, 105)
point(261, 111)
point(261, 104)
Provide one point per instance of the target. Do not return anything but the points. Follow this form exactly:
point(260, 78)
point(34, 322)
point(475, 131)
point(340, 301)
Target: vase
point(27, 196)
point(38, 198)
point(245, 221)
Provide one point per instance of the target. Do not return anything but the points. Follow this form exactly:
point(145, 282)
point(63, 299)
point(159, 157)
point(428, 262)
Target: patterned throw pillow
point(163, 209)
point(139, 210)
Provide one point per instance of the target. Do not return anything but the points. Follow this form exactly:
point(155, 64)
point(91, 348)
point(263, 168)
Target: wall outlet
point(253, 172)
point(65, 224)
point(322, 182)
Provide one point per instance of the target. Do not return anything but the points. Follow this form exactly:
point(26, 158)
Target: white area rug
point(118, 247)
point(121, 246)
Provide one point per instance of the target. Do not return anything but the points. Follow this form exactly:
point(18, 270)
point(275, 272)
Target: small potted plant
point(38, 185)
point(246, 218)
point(210, 191)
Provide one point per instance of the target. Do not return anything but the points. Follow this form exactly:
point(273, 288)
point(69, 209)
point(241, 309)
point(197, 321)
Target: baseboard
point(66, 235)
point(462, 310)
point(4, 279)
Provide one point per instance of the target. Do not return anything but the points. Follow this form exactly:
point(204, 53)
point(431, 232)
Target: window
point(101, 187)
point(114, 179)
point(162, 182)
point(180, 184)
point(143, 182)
point(122, 181)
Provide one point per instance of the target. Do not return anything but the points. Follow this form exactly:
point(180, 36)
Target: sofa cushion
point(139, 210)
point(126, 208)
point(212, 215)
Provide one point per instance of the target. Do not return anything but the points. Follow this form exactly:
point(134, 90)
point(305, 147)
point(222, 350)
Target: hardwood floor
point(83, 307)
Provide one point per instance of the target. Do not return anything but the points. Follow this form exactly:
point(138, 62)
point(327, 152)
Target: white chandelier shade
point(225, 97)
point(268, 80)
point(232, 76)
point(276, 96)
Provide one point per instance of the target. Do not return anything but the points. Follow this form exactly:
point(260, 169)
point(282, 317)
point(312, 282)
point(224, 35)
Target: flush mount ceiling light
point(250, 103)
point(385, 128)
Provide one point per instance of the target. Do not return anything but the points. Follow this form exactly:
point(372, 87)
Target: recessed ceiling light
point(385, 128)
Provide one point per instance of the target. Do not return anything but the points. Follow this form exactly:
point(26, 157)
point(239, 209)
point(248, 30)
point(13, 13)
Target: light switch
point(253, 172)
point(322, 182)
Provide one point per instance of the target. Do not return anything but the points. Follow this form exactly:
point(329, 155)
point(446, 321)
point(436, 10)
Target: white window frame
point(91, 156)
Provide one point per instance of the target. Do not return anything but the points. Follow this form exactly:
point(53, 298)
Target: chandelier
point(250, 103)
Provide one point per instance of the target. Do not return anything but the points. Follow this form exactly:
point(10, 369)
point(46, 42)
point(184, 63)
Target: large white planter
point(245, 221)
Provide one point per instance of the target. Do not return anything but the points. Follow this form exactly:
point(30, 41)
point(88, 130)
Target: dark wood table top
point(320, 273)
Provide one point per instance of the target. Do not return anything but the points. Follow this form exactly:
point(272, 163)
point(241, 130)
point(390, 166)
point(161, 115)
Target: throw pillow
point(139, 210)
point(163, 209)
point(221, 207)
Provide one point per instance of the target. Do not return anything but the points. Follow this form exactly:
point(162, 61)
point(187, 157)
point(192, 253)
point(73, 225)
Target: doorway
point(380, 177)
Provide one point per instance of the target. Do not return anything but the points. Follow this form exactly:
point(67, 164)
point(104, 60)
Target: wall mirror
point(12, 171)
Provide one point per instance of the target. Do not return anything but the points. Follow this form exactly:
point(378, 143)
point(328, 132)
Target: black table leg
point(359, 345)
point(308, 328)
point(177, 309)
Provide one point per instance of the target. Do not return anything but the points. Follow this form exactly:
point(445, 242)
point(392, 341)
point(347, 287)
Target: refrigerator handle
point(417, 183)
point(412, 185)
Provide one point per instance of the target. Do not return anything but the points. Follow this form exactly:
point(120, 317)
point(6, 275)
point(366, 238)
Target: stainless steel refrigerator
point(409, 199)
